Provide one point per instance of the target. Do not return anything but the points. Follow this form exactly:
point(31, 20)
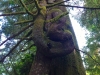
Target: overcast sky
point(80, 32)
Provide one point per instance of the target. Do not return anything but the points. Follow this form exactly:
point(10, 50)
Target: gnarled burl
point(54, 42)
point(58, 32)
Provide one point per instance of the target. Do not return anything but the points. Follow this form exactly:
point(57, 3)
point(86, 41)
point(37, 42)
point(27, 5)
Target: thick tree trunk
point(57, 59)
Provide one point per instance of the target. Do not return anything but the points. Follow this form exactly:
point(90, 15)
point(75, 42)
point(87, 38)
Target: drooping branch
point(80, 7)
point(17, 33)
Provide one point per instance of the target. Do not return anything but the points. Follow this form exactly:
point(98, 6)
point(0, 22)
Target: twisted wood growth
point(62, 38)
point(54, 42)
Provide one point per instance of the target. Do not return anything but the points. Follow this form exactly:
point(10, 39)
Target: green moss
point(67, 31)
point(43, 10)
point(54, 10)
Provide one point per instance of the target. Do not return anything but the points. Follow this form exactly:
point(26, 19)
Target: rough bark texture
point(55, 47)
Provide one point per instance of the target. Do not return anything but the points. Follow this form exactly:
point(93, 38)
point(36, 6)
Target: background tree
point(90, 20)
point(23, 23)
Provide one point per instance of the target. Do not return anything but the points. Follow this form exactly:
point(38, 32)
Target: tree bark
point(56, 56)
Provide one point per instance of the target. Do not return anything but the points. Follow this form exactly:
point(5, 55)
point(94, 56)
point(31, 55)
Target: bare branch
point(25, 21)
point(80, 7)
point(16, 6)
point(9, 8)
point(54, 4)
point(10, 14)
point(17, 33)
point(88, 55)
point(57, 17)
point(37, 4)
point(27, 48)
point(24, 38)
point(11, 50)
point(26, 8)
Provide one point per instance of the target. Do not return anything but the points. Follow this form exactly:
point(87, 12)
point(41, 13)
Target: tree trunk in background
point(70, 64)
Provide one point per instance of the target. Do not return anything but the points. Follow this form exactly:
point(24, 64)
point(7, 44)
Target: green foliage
point(20, 58)
point(24, 65)
point(90, 19)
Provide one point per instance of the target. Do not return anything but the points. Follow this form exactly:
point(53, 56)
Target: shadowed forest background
point(37, 37)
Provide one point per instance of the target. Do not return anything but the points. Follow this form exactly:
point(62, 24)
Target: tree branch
point(16, 6)
point(17, 33)
point(25, 21)
point(11, 50)
point(57, 17)
point(24, 38)
point(88, 55)
point(79, 7)
point(54, 4)
point(10, 14)
point(27, 48)
point(26, 8)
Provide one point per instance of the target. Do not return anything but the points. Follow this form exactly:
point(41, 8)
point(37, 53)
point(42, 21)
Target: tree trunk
point(56, 54)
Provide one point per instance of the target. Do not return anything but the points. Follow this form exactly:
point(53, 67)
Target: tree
point(49, 30)
point(90, 20)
